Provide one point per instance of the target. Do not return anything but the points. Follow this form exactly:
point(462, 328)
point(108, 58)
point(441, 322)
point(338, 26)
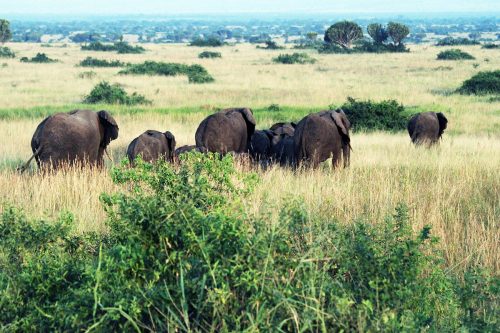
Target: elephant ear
point(110, 127)
point(341, 121)
point(250, 120)
point(171, 142)
point(443, 123)
point(269, 134)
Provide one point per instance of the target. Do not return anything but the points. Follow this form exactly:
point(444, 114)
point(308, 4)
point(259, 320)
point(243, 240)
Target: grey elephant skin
point(320, 136)
point(229, 130)
point(151, 146)
point(79, 136)
point(273, 144)
point(427, 128)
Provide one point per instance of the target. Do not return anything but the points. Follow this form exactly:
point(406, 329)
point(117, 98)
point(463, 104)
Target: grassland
point(455, 188)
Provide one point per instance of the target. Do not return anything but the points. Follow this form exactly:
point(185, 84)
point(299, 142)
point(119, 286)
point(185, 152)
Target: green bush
point(204, 42)
point(491, 46)
point(5, 52)
point(271, 45)
point(375, 116)
point(294, 58)
point(450, 41)
point(195, 73)
point(482, 83)
point(120, 47)
point(93, 62)
point(182, 254)
point(105, 93)
point(454, 54)
point(209, 54)
point(39, 58)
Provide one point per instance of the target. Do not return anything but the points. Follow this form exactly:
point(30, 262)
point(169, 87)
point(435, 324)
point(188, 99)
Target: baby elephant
point(427, 127)
point(151, 146)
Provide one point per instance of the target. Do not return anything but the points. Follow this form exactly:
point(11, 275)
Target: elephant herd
point(82, 136)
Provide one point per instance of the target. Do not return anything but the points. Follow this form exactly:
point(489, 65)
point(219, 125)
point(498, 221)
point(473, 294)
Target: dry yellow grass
point(455, 188)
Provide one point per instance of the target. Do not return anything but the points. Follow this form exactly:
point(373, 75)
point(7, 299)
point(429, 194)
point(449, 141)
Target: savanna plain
point(453, 187)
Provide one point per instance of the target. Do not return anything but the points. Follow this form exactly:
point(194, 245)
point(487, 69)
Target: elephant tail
point(25, 166)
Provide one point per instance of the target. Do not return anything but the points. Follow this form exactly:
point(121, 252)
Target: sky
point(165, 7)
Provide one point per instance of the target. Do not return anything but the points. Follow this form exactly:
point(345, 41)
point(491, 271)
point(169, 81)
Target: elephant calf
point(274, 144)
point(322, 135)
point(229, 130)
point(151, 146)
point(427, 127)
point(79, 136)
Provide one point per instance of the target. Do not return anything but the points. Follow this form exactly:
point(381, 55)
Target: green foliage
point(274, 108)
point(105, 93)
point(182, 254)
point(5, 52)
point(397, 32)
point(375, 116)
point(5, 32)
point(454, 54)
point(271, 45)
point(212, 41)
point(343, 34)
point(378, 33)
point(294, 58)
point(482, 83)
point(39, 58)
point(195, 73)
point(450, 41)
point(209, 54)
point(120, 47)
point(93, 62)
point(491, 46)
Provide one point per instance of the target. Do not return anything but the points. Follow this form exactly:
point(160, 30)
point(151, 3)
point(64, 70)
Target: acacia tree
point(5, 33)
point(343, 33)
point(397, 32)
point(378, 33)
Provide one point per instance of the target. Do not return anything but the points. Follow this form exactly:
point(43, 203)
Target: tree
point(397, 32)
point(5, 33)
point(312, 35)
point(378, 33)
point(343, 33)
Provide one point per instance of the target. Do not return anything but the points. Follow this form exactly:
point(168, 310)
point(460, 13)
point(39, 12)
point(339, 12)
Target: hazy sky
point(160, 7)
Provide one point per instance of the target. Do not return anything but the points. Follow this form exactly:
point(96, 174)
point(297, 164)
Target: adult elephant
point(229, 130)
point(427, 127)
point(151, 146)
point(322, 135)
point(79, 136)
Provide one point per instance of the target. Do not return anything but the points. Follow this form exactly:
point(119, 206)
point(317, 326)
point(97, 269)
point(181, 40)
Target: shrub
point(209, 54)
point(450, 41)
point(212, 41)
point(93, 62)
point(271, 45)
point(87, 75)
point(39, 58)
point(120, 47)
point(294, 58)
point(182, 254)
point(375, 116)
point(5, 52)
point(491, 46)
point(454, 54)
point(195, 73)
point(274, 108)
point(105, 93)
point(482, 83)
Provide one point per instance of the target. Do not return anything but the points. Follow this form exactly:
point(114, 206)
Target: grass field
point(455, 188)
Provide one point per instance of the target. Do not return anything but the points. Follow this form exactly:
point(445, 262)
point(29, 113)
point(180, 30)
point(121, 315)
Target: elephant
point(322, 135)
point(282, 147)
point(268, 144)
point(229, 130)
point(79, 136)
point(427, 127)
point(151, 146)
point(186, 149)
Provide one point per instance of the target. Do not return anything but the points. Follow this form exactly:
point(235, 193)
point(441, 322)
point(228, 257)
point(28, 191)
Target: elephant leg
point(346, 154)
